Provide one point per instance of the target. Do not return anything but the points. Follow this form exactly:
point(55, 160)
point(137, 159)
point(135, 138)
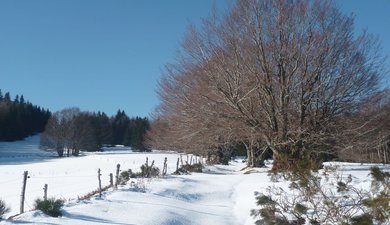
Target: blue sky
point(107, 55)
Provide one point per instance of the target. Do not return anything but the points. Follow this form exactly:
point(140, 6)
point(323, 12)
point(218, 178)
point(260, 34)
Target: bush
point(149, 171)
point(51, 207)
point(326, 198)
point(3, 208)
point(125, 176)
point(187, 169)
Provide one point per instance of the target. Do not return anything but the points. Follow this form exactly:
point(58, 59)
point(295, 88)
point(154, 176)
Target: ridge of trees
point(20, 118)
point(70, 130)
point(286, 78)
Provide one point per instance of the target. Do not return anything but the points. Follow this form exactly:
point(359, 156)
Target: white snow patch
point(220, 195)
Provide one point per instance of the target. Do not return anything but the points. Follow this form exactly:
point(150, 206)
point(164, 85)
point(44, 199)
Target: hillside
point(220, 195)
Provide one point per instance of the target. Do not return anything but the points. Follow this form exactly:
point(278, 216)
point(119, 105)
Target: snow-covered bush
point(189, 168)
point(125, 176)
point(51, 206)
point(326, 198)
point(149, 171)
point(139, 185)
point(3, 208)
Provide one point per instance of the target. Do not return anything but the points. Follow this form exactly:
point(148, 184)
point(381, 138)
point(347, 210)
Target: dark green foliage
point(267, 213)
point(20, 119)
point(364, 219)
point(264, 200)
point(314, 222)
point(187, 169)
point(316, 201)
point(300, 209)
point(3, 208)
point(296, 162)
point(7, 97)
point(129, 131)
point(341, 186)
point(149, 171)
point(51, 207)
point(119, 125)
point(380, 203)
point(380, 206)
point(196, 168)
point(125, 176)
point(379, 175)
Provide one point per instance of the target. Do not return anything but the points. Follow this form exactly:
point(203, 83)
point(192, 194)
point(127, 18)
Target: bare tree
point(367, 136)
point(274, 75)
point(50, 138)
point(59, 132)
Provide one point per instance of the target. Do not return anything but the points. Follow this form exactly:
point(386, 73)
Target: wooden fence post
point(100, 184)
point(181, 159)
point(149, 169)
point(45, 192)
point(165, 167)
point(177, 164)
point(111, 180)
point(118, 166)
point(25, 175)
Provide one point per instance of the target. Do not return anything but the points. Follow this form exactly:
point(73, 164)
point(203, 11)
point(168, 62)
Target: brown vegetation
point(277, 76)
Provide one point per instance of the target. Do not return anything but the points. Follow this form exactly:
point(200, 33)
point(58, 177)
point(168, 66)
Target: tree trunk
point(287, 158)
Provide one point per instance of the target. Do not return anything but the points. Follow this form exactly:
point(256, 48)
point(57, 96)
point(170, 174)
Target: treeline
point(19, 118)
point(71, 130)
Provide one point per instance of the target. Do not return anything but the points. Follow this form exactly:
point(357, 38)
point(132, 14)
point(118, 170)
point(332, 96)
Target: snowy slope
point(221, 195)
point(25, 151)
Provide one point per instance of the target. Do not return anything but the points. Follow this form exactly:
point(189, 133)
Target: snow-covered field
point(220, 195)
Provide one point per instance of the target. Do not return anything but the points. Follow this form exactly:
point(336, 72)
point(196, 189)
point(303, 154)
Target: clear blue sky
point(107, 55)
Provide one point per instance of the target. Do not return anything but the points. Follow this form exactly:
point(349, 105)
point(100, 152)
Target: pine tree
point(22, 99)
point(7, 97)
point(16, 99)
point(19, 119)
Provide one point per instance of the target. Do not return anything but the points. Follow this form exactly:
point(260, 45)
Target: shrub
point(327, 198)
point(125, 176)
point(149, 171)
point(3, 208)
point(187, 169)
point(51, 206)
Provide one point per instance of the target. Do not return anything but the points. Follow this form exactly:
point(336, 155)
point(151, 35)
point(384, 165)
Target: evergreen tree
point(22, 99)
point(19, 119)
point(7, 97)
point(16, 99)
point(119, 125)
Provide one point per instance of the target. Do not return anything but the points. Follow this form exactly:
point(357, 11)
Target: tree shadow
point(74, 216)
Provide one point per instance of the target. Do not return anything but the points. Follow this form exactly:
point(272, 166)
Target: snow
point(220, 195)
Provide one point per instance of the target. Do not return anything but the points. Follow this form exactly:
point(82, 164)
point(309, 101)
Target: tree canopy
point(277, 76)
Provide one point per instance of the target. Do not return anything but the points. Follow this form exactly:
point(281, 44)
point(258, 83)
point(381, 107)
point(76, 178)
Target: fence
point(20, 192)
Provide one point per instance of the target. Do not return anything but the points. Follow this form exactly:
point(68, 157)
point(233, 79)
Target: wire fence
point(70, 186)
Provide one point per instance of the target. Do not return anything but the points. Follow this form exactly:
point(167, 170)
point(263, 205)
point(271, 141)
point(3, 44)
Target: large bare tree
point(274, 75)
